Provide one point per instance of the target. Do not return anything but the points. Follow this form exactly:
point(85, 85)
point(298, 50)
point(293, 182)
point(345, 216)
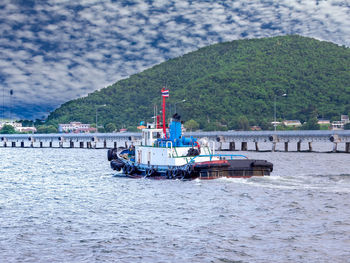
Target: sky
point(53, 51)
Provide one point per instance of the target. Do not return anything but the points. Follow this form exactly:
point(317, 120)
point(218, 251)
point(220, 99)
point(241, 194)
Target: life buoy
point(188, 171)
point(178, 174)
point(168, 174)
point(198, 147)
point(151, 172)
point(131, 169)
point(126, 169)
point(173, 173)
point(109, 155)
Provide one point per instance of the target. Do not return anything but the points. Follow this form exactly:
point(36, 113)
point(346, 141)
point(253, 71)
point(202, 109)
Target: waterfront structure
point(25, 129)
point(339, 125)
point(323, 122)
point(224, 140)
point(76, 127)
point(17, 126)
point(292, 123)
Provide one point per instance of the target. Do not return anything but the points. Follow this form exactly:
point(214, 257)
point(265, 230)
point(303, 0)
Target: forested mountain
point(226, 82)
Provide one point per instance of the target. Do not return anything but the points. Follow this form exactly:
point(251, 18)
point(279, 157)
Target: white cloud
point(57, 52)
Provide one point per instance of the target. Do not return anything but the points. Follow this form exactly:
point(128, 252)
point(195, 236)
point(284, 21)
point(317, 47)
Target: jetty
point(224, 140)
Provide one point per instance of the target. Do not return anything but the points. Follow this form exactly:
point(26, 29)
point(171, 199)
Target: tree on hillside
point(110, 127)
point(224, 81)
point(191, 125)
point(7, 129)
point(311, 124)
point(46, 129)
point(243, 123)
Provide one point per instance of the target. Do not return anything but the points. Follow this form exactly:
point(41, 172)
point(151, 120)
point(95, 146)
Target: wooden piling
point(41, 144)
point(286, 146)
point(81, 144)
point(256, 146)
point(244, 146)
point(22, 144)
point(13, 144)
point(347, 147)
point(232, 146)
point(310, 146)
point(274, 146)
point(299, 146)
point(115, 144)
point(50, 144)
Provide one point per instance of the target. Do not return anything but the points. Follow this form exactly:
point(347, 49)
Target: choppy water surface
point(65, 205)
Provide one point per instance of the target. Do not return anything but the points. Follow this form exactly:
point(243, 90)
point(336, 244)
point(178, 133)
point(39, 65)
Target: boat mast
point(165, 94)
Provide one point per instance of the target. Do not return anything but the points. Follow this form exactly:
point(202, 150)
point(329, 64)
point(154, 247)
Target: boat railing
point(171, 147)
point(221, 156)
point(213, 147)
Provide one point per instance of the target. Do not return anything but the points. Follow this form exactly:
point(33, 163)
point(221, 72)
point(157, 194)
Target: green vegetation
point(7, 129)
point(228, 85)
point(191, 125)
point(311, 124)
point(110, 127)
point(46, 129)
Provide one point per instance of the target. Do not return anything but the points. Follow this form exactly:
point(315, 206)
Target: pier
point(228, 140)
point(238, 140)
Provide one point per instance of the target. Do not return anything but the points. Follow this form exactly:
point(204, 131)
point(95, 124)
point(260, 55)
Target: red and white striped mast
point(165, 94)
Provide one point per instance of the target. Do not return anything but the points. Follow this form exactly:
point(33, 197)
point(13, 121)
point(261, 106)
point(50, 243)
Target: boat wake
point(324, 183)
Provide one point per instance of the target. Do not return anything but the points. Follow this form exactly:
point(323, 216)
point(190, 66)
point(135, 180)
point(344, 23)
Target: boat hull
point(242, 168)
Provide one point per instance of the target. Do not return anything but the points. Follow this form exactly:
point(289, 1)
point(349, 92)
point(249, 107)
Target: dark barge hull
point(242, 168)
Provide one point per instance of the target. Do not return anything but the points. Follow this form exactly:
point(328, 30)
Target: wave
point(326, 183)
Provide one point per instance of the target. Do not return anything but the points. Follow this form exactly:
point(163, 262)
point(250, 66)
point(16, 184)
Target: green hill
point(223, 82)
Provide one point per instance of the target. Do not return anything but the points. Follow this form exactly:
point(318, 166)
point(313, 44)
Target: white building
point(339, 125)
point(18, 126)
point(292, 123)
point(25, 129)
point(76, 127)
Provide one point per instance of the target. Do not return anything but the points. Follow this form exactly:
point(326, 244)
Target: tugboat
point(165, 153)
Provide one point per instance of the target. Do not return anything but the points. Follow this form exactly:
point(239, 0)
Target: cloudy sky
point(52, 51)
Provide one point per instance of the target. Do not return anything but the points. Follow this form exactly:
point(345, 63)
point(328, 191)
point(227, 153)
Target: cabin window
point(156, 135)
point(139, 155)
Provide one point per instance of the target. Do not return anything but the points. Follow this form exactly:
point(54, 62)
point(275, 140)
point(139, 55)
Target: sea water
point(67, 205)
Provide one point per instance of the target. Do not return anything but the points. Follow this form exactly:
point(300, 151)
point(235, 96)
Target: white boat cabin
point(149, 153)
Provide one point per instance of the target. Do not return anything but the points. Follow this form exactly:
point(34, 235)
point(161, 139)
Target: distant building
point(323, 122)
point(339, 125)
point(25, 129)
point(344, 118)
point(76, 127)
point(18, 126)
point(273, 123)
point(255, 128)
point(292, 123)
